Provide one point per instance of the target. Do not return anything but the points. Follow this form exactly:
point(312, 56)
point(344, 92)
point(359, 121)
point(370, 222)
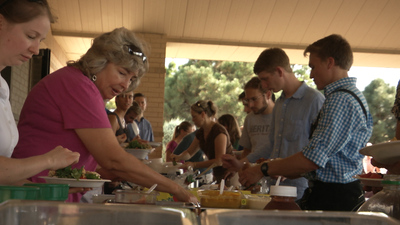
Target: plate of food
point(370, 179)
point(386, 153)
point(139, 149)
point(75, 177)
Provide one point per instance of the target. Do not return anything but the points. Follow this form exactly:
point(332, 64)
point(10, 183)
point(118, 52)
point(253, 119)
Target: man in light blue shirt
point(294, 111)
point(145, 129)
point(344, 126)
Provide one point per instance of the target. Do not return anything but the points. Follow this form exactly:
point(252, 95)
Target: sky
point(364, 75)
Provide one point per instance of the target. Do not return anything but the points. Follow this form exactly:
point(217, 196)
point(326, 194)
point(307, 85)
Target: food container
point(100, 198)
point(22, 212)
point(51, 192)
point(139, 153)
point(213, 199)
point(257, 201)
point(18, 192)
point(242, 216)
point(135, 197)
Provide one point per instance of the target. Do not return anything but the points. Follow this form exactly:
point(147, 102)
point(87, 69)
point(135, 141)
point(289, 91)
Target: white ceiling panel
point(237, 30)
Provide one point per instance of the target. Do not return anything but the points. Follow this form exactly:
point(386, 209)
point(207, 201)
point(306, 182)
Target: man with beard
point(293, 114)
point(257, 122)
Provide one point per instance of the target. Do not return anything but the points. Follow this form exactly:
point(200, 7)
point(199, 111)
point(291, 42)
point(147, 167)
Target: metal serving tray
point(26, 212)
point(245, 216)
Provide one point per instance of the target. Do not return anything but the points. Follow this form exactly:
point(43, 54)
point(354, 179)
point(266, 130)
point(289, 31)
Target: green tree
point(110, 105)
point(380, 97)
point(221, 82)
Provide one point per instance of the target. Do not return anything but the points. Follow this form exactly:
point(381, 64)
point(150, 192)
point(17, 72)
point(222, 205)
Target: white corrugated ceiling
point(237, 30)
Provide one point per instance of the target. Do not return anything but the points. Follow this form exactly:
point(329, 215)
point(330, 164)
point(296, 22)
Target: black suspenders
point(315, 124)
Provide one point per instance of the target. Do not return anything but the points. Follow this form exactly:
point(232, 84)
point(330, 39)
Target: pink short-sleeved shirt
point(171, 146)
point(60, 103)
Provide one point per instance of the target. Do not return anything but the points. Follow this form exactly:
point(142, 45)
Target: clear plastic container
point(283, 198)
point(135, 197)
point(387, 200)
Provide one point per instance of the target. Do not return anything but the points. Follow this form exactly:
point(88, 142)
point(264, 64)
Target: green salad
point(75, 173)
point(137, 145)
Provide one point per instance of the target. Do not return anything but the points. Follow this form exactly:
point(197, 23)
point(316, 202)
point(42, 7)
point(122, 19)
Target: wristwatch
point(264, 169)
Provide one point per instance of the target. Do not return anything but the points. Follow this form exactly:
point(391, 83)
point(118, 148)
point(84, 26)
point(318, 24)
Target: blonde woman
point(67, 107)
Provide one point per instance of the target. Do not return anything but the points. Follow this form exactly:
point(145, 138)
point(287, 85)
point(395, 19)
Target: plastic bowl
point(135, 197)
point(257, 201)
point(139, 153)
point(212, 199)
point(51, 192)
point(19, 192)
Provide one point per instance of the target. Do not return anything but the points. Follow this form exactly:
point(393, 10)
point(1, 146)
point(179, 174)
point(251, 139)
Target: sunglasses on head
point(133, 50)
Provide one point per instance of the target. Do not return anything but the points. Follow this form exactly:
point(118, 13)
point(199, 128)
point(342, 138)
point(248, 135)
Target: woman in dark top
point(212, 138)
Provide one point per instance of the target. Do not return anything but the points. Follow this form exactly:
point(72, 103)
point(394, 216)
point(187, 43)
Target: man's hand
point(250, 175)
point(231, 163)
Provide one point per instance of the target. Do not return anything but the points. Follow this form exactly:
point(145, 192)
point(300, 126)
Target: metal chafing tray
point(245, 216)
point(24, 212)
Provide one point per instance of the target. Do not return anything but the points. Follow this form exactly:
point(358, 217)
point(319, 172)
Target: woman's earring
point(94, 78)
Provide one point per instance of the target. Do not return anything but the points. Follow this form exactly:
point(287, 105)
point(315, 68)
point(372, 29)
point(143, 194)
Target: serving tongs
point(197, 208)
point(215, 164)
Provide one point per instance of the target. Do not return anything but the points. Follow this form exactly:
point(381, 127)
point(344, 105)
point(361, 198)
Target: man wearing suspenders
point(331, 159)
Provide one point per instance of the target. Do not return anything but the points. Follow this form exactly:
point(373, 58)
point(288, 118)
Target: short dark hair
point(134, 108)
point(241, 96)
point(136, 95)
point(271, 58)
point(334, 46)
point(255, 83)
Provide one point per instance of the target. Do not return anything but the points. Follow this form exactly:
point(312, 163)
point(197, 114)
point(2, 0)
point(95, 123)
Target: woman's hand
point(61, 157)
point(73, 190)
point(392, 169)
point(185, 196)
point(186, 165)
point(181, 157)
point(121, 138)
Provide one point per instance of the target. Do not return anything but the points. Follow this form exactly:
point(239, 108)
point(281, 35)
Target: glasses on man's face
point(247, 101)
point(133, 50)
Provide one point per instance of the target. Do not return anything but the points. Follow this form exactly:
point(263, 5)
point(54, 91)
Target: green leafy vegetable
point(68, 172)
point(76, 173)
point(137, 145)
